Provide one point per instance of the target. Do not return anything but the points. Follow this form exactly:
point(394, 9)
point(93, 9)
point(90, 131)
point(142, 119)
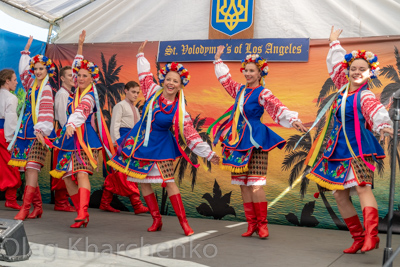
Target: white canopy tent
point(155, 20)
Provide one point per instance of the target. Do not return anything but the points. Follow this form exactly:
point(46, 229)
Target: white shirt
point(122, 117)
point(8, 111)
point(60, 106)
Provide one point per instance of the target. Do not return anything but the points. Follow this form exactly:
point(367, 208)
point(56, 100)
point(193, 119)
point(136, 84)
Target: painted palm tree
point(183, 164)
point(393, 74)
point(109, 87)
point(295, 159)
point(218, 205)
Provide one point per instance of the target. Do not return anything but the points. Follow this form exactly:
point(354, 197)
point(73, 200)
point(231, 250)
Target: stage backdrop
point(300, 86)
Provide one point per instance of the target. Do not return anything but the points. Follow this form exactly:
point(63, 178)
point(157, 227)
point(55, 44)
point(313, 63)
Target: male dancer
point(124, 116)
point(61, 202)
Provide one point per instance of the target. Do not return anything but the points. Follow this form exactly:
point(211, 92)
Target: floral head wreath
point(89, 66)
point(259, 61)
point(179, 68)
point(368, 56)
point(45, 61)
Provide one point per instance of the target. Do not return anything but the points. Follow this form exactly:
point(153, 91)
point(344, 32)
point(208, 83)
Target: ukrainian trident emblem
point(231, 16)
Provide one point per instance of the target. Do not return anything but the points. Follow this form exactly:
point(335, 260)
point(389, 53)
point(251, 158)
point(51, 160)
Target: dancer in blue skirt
point(148, 151)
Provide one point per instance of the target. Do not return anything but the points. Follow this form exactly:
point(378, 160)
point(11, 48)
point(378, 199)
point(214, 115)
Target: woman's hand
point(69, 132)
point(29, 43)
point(141, 47)
point(385, 132)
point(81, 40)
point(335, 34)
point(215, 159)
point(82, 37)
point(299, 126)
point(220, 51)
point(40, 138)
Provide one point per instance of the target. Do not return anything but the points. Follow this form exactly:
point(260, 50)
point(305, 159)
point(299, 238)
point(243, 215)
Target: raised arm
point(79, 55)
point(25, 75)
point(146, 78)
point(223, 75)
point(334, 59)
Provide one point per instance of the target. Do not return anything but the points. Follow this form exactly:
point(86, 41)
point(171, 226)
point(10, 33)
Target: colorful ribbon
point(34, 110)
point(322, 113)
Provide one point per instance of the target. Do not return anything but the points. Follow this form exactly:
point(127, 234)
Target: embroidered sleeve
point(224, 77)
point(278, 112)
point(82, 112)
point(11, 118)
point(334, 63)
point(374, 112)
point(24, 74)
point(145, 76)
point(45, 123)
point(194, 141)
point(116, 119)
point(77, 59)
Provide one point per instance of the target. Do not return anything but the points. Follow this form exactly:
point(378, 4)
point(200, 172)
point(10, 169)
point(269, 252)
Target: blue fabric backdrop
point(11, 45)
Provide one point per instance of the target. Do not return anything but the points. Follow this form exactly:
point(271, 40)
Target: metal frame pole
point(396, 117)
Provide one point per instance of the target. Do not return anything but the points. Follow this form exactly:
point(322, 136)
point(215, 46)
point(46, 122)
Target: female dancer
point(246, 141)
point(78, 141)
point(34, 127)
point(345, 165)
point(10, 180)
point(148, 151)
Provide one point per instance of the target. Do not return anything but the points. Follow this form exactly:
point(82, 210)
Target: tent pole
point(49, 34)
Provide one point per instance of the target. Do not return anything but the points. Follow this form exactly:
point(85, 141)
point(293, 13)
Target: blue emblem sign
point(231, 16)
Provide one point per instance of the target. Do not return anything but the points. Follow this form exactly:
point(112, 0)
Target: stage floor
point(121, 239)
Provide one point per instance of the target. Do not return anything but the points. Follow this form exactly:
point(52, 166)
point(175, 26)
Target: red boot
point(137, 204)
point(357, 232)
point(11, 199)
point(84, 198)
point(106, 199)
point(75, 201)
point(179, 209)
point(261, 213)
point(29, 193)
point(151, 202)
point(37, 205)
point(371, 221)
point(251, 218)
point(61, 202)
